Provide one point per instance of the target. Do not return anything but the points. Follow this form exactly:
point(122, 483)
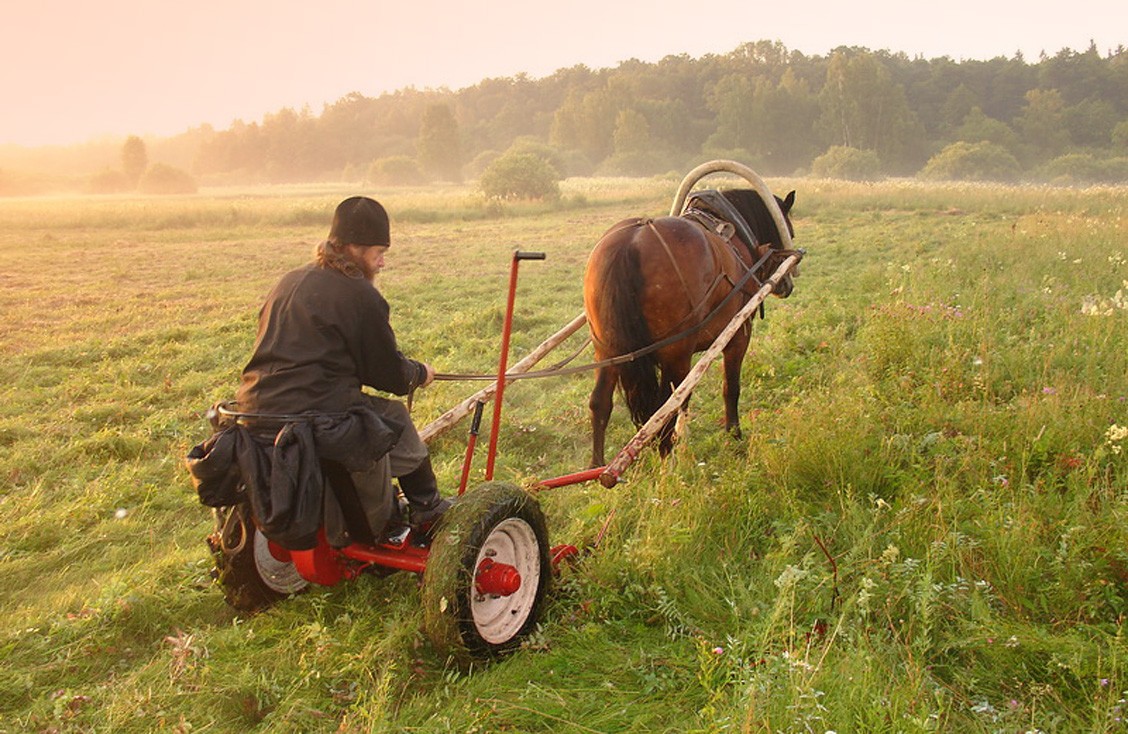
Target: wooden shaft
point(646, 434)
point(449, 419)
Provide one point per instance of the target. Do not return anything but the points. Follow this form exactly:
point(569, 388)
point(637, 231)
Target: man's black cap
point(360, 221)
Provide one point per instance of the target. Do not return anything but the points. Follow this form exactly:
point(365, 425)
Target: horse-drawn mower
point(487, 566)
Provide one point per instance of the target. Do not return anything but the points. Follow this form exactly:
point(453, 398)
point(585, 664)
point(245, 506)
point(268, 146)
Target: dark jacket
point(321, 336)
point(283, 480)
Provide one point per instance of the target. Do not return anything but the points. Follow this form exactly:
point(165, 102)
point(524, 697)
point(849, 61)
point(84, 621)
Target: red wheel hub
point(496, 579)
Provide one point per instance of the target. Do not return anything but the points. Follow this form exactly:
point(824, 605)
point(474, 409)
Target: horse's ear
point(789, 201)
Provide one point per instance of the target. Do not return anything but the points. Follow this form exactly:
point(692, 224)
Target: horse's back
point(646, 278)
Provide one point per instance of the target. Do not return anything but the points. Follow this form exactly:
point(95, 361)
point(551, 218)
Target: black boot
point(421, 489)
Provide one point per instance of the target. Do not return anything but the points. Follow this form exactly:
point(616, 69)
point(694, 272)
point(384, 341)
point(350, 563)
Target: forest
point(853, 113)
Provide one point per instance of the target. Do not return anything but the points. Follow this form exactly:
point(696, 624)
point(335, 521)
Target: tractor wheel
point(487, 573)
point(249, 574)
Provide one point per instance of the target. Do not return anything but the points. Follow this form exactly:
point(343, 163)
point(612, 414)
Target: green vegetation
point(849, 164)
point(517, 175)
point(924, 529)
point(981, 161)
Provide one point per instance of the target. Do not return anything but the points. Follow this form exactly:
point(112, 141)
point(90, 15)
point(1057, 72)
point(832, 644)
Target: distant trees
point(134, 159)
point(440, 151)
point(137, 175)
point(162, 178)
point(776, 110)
point(864, 107)
point(396, 170)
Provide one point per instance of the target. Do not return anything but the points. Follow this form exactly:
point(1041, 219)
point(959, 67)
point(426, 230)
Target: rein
point(558, 370)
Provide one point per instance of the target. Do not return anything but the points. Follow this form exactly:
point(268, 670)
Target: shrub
point(481, 162)
point(964, 161)
point(162, 178)
point(1084, 168)
point(520, 176)
point(109, 181)
point(1120, 136)
point(396, 170)
point(851, 164)
point(1072, 168)
point(551, 155)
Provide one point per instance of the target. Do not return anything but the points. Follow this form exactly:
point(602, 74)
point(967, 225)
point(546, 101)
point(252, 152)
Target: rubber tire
point(236, 571)
point(448, 581)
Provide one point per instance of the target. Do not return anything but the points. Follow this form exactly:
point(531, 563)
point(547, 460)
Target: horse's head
point(785, 205)
point(773, 253)
point(771, 258)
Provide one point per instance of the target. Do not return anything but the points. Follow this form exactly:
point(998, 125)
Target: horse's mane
point(751, 206)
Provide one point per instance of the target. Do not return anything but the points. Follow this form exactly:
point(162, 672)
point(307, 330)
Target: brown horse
point(648, 280)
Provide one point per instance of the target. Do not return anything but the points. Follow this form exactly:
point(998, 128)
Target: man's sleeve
point(380, 363)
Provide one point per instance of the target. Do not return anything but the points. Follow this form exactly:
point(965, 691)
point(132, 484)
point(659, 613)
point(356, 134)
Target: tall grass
point(923, 530)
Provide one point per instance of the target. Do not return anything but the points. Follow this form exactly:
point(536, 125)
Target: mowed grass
point(923, 529)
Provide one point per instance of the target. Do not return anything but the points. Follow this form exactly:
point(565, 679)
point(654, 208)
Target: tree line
point(851, 111)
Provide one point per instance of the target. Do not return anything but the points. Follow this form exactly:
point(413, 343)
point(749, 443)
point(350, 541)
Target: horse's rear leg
point(734, 359)
point(673, 374)
point(602, 396)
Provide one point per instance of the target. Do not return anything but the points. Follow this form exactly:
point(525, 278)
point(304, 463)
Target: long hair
point(331, 254)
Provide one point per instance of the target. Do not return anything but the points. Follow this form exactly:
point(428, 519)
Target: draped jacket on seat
point(281, 473)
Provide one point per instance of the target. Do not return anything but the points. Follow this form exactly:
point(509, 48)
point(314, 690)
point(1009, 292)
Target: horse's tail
point(624, 330)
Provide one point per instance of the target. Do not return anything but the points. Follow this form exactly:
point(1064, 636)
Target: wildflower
point(1114, 436)
point(1104, 682)
point(790, 576)
point(1001, 480)
point(1049, 390)
point(718, 650)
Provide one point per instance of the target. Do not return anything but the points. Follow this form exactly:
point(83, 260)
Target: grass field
point(924, 529)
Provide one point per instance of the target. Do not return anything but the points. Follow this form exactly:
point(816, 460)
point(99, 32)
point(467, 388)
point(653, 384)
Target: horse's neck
point(716, 204)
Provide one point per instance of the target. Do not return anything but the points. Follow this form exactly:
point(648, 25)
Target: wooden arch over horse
point(649, 281)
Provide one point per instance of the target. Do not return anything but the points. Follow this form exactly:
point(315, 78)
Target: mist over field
point(853, 113)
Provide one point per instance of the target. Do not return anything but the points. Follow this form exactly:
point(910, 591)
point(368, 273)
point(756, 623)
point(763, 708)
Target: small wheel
point(249, 574)
point(487, 573)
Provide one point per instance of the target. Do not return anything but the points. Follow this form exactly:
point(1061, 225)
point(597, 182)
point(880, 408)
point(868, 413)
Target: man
point(323, 334)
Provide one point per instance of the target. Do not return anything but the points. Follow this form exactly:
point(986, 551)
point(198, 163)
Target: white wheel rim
point(499, 618)
point(280, 576)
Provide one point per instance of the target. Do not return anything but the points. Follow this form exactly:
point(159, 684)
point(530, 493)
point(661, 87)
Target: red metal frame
point(503, 362)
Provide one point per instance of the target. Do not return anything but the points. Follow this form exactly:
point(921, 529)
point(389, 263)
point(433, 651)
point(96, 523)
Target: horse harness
point(704, 217)
point(703, 208)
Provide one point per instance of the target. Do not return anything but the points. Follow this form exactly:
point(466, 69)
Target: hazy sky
point(72, 70)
